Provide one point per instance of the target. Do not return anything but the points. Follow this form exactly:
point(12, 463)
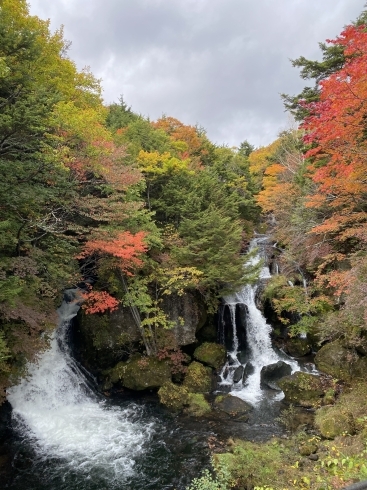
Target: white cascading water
point(260, 350)
point(56, 408)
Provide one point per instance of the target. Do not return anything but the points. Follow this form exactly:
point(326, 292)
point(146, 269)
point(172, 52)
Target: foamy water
point(57, 409)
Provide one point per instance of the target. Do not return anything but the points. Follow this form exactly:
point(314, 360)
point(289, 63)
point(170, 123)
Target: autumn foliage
point(336, 131)
point(99, 302)
point(126, 247)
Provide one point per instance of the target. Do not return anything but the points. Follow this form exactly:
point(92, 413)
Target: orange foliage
point(337, 129)
point(126, 247)
point(99, 302)
point(180, 132)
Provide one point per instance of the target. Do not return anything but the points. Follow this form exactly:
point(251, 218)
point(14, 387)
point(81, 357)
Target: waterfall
point(58, 411)
point(259, 352)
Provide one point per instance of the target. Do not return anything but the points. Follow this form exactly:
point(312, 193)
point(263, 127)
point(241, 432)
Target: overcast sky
point(220, 64)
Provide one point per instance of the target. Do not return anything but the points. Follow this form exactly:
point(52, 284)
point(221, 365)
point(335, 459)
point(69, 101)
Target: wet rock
point(271, 374)
point(212, 354)
point(232, 405)
point(174, 397)
point(334, 421)
point(303, 389)
point(298, 347)
point(249, 369)
point(238, 374)
point(313, 457)
point(242, 356)
point(338, 361)
point(140, 373)
point(198, 378)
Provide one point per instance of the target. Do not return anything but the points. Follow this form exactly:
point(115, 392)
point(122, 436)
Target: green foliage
point(303, 305)
point(221, 480)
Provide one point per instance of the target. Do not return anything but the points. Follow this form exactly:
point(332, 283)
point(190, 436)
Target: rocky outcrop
point(198, 378)
point(341, 363)
point(188, 315)
point(140, 373)
point(304, 389)
point(272, 373)
point(105, 339)
point(211, 354)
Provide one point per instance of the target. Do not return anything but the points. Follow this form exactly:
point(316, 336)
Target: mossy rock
point(334, 421)
point(298, 347)
point(103, 337)
point(198, 378)
point(302, 389)
point(341, 363)
point(214, 355)
point(308, 448)
point(174, 397)
point(197, 405)
point(141, 373)
point(232, 405)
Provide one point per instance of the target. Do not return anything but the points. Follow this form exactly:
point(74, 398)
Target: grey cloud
point(217, 63)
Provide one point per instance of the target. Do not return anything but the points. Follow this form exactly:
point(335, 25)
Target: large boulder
point(173, 396)
point(212, 354)
point(272, 373)
point(103, 339)
point(232, 405)
point(338, 361)
point(141, 373)
point(303, 389)
point(334, 421)
point(198, 378)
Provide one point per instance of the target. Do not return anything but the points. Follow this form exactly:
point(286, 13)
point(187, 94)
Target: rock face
point(211, 354)
point(188, 315)
point(140, 373)
point(105, 339)
point(232, 405)
point(340, 362)
point(303, 389)
point(198, 378)
point(272, 373)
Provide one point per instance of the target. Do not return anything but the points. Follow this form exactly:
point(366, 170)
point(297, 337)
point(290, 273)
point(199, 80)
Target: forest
point(136, 214)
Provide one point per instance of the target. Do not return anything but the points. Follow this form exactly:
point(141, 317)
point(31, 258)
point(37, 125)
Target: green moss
point(303, 389)
point(140, 373)
point(214, 355)
point(197, 405)
point(334, 421)
point(173, 396)
point(198, 378)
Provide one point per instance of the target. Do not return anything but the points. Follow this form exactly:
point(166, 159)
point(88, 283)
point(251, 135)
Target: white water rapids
point(56, 408)
point(260, 351)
